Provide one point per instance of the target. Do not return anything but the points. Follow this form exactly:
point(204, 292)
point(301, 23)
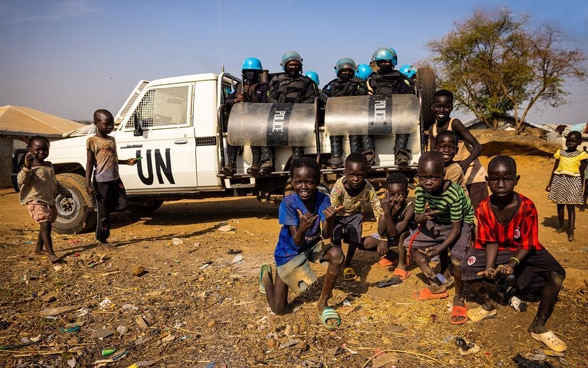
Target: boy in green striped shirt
point(446, 219)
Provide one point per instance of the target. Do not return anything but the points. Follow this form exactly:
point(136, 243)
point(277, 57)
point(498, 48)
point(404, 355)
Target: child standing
point(445, 217)
point(351, 192)
point(307, 219)
point(508, 244)
point(565, 184)
point(468, 148)
point(38, 189)
point(446, 143)
point(102, 179)
point(395, 225)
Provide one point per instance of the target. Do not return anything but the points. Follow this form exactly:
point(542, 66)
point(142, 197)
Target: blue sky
point(70, 57)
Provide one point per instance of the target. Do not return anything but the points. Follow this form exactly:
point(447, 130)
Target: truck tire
point(426, 88)
point(76, 214)
point(144, 206)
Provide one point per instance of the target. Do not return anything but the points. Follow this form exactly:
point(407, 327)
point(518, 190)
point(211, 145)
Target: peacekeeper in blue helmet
point(289, 87)
point(346, 84)
point(315, 78)
point(363, 71)
point(251, 90)
point(387, 81)
point(410, 73)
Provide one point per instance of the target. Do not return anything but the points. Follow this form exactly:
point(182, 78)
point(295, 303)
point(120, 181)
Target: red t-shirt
point(522, 231)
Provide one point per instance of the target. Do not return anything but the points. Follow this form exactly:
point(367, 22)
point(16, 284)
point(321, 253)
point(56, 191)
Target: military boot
point(355, 144)
point(256, 157)
point(369, 149)
point(267, 161)
point(336, 160)
point(401, 151)
point(231, 167)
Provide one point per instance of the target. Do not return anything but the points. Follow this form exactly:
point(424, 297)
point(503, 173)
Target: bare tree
point(495, 64)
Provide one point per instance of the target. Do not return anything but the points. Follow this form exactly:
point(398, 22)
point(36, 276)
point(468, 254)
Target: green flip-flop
point(329, 314)
point(264, 268)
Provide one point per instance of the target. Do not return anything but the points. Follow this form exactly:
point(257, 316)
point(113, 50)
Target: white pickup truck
point(177, 126)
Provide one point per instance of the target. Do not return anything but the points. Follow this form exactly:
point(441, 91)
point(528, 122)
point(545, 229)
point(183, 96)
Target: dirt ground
point(182, 287)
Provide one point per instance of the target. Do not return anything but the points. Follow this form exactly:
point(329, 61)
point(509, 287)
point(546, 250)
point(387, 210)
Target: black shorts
point(348, 228)
point(536, 262)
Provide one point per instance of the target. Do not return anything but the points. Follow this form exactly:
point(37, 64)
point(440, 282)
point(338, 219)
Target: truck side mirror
point(138, 129)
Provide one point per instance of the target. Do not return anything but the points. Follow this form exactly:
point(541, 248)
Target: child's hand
point(29, 158)
point(383, 248)
point(132, 161)
point(331, 211)
point(306, 220)
point(429, 213)
point(430, 252)
point(489, 273)
point(239, 98)
point(90, 190)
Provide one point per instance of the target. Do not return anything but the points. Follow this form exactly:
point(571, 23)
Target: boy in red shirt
point(508, 244)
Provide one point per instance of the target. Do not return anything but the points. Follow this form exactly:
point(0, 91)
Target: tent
point(17, 123)
point(24, 121)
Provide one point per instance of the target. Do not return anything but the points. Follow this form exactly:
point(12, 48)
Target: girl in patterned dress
point(565, 185)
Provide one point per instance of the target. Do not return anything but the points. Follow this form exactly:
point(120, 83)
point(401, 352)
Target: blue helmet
point(363, 71)
point(385, 53)
point(345, 63)
point(289, 56)
point(314, 76)
point(252, 64)
point(408, 71)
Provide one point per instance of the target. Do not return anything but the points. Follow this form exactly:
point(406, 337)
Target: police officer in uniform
point(346, 84)
point(289, 87)
point(251, 90)
point(387, 81)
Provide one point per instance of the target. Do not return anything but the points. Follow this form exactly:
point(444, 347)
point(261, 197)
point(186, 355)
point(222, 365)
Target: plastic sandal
point(329, 314)
point(459, 315)
point(426, 294)
point(264, 268)
point(478, 314)
point(395, 280)
point(403, 274)
point(551, 341)
point(349, 274)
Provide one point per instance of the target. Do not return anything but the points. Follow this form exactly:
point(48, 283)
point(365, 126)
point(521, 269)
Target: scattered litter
point(122, 330)
point(103, 333)
point(71, 362)
point(465, 347)
point(72, 329)
point(36, 338)
point(105, 303)
point(238, 259)
point(129, 307)
point(141, 323)
point(226, 229)
point(517, 304)
point(392, 281)
point(58, 268)
point(58, 310)
point(82, 312)
point(205, 264)
point(289, 343)
point(107, 352)
point(234, 251)
point(177, 241)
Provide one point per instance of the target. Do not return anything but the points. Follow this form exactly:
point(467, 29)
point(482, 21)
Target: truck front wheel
point(75, 214)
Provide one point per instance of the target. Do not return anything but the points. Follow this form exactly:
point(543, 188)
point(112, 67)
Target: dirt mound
point(497, 142)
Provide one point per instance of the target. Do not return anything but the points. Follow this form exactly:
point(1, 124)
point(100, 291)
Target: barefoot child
point(301, 241)
point(396, 224)
point(445, 217)
point(565, 184)
point(508, 244)
point(38, 189)
point(351, 192)
point(102, 171)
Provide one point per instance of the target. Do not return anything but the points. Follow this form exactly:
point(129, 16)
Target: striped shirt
point(522, 231)
point(453, 205)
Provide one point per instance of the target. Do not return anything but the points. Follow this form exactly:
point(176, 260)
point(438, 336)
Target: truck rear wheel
point(75, 214)
point(426, 88)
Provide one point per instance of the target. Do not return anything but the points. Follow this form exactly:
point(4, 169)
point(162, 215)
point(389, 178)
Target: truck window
point(163, 107)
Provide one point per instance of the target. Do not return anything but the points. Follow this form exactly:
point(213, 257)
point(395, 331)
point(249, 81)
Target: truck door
point(160, 132)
